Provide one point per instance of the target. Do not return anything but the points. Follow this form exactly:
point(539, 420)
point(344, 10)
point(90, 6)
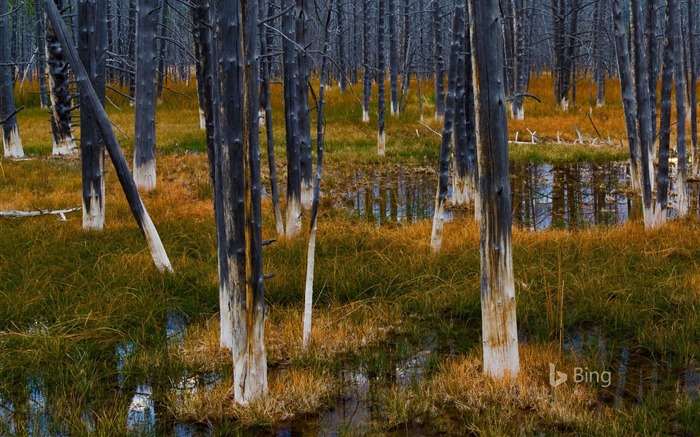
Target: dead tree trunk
point(644, 122)
point(693, 67)
point(652, 18)
point(366, 63)
point(438, 61)
point(453, 78)
point(161, 48)
point(266, 42)
point(160, 258)
point(238, 73)
point(311, 252)
point(660, 212)
point(499, 326)
point(11, 142)
point(381, 67)
point(92, 48)
point(629, 101)
point(465, 177)
point(291, 114)
point(205, 38)
point(393, 59)
point(145, 106)
point(41, 56)
point(679, 76)
point(57, 72)
point(599, 73)
point(303, 118)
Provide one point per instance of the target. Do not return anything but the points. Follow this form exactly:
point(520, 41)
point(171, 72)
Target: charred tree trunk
point(145, 110)
point(57, 71)
point(160, 258)
point(499, 326)
point(342, 62)
point(11, 142)
point(291, 114)
point(453, 77)
point(409, 49)
point(366, 62)
point(381, 68)
point(92, 48)
point(629, 100)
point(521, 45)
point(651, 16)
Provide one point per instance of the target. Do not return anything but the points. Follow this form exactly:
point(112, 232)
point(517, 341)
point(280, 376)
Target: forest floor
point(94, 338)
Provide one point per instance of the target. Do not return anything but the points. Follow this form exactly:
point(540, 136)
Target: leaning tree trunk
point(57, 71)
point(160, 258)
point(145, 110)
point(665, 120)
point(92, 48)
point(499, 326)
point(381, 67)
point(629, 101)
point(291, 101)
point(679, 76)
point(11, 142)
point(367, 64)
point(453, 78)
point(238, 74)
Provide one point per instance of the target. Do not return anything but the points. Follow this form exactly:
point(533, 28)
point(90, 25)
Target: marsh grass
point(70, 301)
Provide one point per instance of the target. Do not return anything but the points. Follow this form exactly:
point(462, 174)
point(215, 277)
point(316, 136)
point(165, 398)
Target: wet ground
point(569, 196)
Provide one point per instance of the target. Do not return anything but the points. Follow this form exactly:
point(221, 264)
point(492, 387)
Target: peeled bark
point(499, 326)
point(145, 109)
point(92, 48)
point(452, 88)
point(629, 100)
point(58, 74)
point(160, 258)
point(11, 142)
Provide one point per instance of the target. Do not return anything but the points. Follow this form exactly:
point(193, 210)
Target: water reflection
point(543, 196)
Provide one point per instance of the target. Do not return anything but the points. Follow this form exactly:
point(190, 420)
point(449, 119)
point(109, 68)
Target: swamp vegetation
point(94, 339)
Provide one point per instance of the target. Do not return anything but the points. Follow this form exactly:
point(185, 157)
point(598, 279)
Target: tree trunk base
point(12, 144)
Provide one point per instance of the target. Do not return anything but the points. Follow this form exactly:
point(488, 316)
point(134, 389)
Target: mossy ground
point(70, 300)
